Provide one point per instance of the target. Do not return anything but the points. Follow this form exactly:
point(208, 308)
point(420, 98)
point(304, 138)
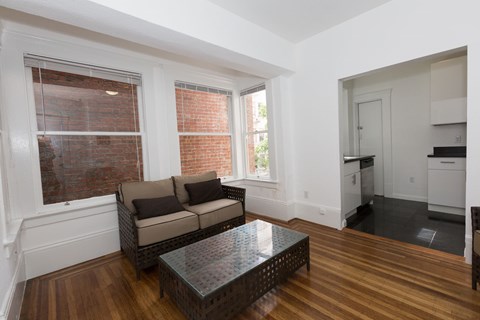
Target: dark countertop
point(352, 158)
point(448, 152)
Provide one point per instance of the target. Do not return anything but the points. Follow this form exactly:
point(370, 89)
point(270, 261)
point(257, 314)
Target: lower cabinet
point(446, 185)
point(352, 187)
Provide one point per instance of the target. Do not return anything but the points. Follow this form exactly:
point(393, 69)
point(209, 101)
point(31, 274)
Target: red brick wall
point(79, 103)
point(204, 153)
point(79, 167)
point(202, 112)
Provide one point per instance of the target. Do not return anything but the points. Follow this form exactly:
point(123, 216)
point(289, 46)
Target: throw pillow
point(149, 208)
point(180, 181)
point(204, 191)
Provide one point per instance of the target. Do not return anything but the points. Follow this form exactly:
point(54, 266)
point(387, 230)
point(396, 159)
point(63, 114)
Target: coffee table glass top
point(213, 262)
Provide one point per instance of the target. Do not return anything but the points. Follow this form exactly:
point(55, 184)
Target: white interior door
point(370, 135)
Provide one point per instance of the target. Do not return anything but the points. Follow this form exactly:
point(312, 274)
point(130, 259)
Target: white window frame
point(209, 89)
point(76, 68)
point(245, 133)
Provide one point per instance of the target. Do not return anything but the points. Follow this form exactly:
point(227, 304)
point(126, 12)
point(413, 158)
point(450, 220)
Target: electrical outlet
point(458, 139)
point(322, 211)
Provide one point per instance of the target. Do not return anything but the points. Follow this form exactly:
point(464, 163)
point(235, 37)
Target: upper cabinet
point(448, 91)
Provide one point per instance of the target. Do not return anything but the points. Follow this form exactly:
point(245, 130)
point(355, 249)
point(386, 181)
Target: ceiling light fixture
point(111, 93)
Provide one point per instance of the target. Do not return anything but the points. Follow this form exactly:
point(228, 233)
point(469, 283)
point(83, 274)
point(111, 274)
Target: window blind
point(196, 87)
point(253, 89)
point(35, 61)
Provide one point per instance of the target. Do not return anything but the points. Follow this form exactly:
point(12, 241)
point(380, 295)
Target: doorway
point(370, 138)
point(373, 136)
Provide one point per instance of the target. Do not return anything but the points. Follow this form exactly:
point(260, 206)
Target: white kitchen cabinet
point(448, 91)
point(352, 187)
point(446, 185)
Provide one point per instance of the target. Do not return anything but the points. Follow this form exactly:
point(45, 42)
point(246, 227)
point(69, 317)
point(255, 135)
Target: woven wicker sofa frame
point(475, 256)
point(147, 256)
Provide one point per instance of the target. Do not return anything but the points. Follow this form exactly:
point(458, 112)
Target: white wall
point(398, 31)
point(413, 137)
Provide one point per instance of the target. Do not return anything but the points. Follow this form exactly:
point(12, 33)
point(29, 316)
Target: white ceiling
point(197, 32)
point(296, 20)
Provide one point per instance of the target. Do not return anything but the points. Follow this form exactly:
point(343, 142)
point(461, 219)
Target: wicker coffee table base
point(236, 295)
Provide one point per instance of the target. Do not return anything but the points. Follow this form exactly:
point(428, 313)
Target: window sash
point(207, 89)
point(246, 134)
point(83, 202)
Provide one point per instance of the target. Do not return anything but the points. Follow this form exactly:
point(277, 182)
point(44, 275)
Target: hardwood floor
point(353, 276)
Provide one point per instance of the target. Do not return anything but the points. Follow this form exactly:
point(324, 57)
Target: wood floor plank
point(353, 276)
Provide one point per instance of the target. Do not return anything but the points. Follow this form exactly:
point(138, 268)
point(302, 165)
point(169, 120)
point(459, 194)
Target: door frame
point(385, 97)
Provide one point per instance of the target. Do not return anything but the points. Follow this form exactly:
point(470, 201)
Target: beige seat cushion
point(180, 181)
point(144, 190)
point(213, 212)
point(476, 242)
point(161, 228)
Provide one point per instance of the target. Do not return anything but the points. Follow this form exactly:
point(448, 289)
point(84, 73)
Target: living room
point(175, 44)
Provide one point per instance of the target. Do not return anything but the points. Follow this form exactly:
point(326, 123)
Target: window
point(254, 102)
point(203, 121)
point(87, 128)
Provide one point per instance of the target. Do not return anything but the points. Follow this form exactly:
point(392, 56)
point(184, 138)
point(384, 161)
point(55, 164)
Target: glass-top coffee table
point(217, 277)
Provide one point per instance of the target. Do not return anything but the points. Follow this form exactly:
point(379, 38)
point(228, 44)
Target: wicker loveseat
point(143, 240)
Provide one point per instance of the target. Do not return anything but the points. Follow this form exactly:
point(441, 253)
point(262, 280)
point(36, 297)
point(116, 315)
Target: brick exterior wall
point(79, 167)
point(203, 112)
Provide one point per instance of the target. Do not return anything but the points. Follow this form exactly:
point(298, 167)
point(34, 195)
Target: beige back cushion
point(144, 190)
point(180, 181)
point(476, 242)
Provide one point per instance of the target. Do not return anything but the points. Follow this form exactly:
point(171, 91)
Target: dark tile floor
point(411, 222)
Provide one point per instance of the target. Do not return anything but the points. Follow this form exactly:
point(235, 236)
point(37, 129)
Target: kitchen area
point(404, 152)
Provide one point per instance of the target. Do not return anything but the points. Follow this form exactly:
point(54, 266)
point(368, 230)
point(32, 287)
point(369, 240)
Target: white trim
point(272, 208)
point(53, 257)
point(446, 209)
point(9, 306)
point(72, 211)
point(385, 97)
point(409, 197)
point(324, 215)
point(468, 248)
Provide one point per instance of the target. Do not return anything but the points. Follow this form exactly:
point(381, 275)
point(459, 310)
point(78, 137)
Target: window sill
point(77, 205)
point(271, 184)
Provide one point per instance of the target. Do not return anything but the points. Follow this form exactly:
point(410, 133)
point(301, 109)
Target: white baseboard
point(409, 197)
point(12, 304)
point(327, 216)
point(468, 249)
point(49, 258)
point(275, 209)
point(445, 209)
